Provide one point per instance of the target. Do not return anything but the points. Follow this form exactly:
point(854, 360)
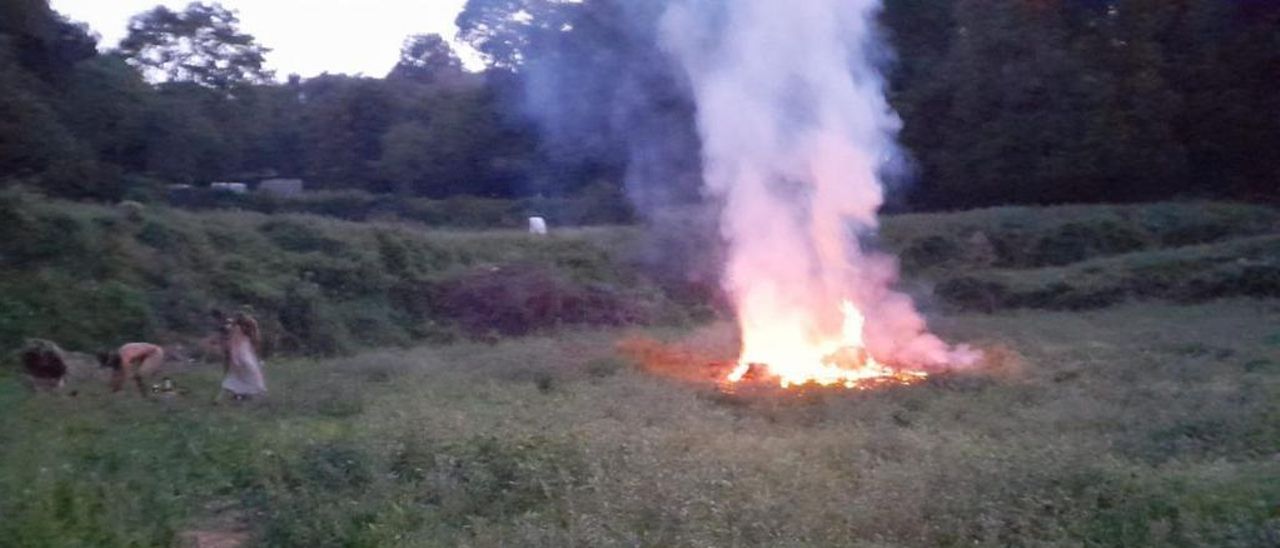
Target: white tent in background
point(538, 226)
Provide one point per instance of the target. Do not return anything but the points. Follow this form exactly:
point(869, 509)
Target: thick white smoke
point(795, 130)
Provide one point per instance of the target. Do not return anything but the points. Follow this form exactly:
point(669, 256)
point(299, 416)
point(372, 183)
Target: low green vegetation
point(1141, 425)
point(1035, 237)
point(1080, 257)
point(88, 276)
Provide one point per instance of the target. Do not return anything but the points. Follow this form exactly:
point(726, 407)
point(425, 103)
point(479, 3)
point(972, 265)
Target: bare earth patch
point(226, 526)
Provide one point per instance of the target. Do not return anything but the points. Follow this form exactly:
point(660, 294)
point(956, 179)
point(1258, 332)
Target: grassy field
point(1142, 424)
point(1131, 395)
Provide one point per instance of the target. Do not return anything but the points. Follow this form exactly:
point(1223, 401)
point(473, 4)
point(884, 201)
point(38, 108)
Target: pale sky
point(307, 37)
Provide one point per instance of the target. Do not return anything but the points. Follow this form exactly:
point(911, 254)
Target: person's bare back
point(137, 361)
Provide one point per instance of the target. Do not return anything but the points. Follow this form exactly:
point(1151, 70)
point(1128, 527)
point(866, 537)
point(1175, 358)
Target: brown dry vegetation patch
point(704, 357)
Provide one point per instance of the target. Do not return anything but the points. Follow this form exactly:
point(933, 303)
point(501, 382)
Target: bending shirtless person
point(132, 361)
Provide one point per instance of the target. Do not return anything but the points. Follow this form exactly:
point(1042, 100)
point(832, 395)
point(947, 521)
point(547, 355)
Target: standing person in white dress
point(242, 370)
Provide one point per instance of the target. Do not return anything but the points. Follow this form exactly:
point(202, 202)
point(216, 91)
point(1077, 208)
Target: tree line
point(1003, 101)
point(185, 99)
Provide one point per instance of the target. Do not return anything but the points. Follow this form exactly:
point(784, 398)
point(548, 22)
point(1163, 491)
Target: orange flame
point(795, 357)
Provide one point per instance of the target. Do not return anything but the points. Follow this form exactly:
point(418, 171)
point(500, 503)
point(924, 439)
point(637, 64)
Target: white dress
point(244, 371)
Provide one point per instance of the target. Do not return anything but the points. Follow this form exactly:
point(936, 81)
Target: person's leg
point(226, 369)
point(142, 386)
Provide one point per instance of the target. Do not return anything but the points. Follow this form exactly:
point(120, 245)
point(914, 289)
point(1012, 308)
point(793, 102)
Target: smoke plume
point(795, 133)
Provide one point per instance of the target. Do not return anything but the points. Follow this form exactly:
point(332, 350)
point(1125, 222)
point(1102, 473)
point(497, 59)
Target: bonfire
point(774, 354)
point(796, 133)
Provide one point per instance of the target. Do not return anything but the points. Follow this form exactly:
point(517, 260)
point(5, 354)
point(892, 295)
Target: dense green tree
point(38, 49)
point(1223, 59)
point(426, 58)
point(506, 32)
point(405, 163)
point(184, 144)
point(107, 104)
point(1133, 110)
point(344, 120)
point(201, 44)
point(36, 148)
point(44, 43)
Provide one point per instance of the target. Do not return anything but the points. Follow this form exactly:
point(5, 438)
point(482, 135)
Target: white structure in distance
point(234, 188)
point(537, 226)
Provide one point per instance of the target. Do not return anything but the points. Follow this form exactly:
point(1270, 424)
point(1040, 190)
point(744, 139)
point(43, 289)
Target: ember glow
point(796, 132)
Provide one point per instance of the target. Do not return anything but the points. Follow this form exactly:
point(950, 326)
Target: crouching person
point(242, 370)
point(137, 361)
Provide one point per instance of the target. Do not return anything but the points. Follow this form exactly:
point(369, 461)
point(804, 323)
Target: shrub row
point(1245, 268)
point(597, 206)
point(1020, 237)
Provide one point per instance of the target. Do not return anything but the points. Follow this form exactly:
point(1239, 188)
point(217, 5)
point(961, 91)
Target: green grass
point(1141, 425)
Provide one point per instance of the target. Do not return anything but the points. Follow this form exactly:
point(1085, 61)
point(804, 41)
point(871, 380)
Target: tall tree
point(107, 105)
point(507, 32)
point(426, 58)
point(344, 120)
point(201, 44)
